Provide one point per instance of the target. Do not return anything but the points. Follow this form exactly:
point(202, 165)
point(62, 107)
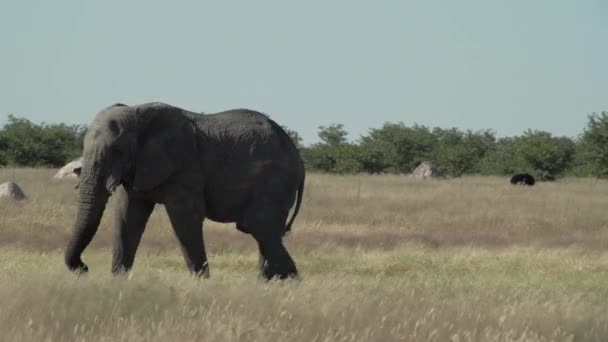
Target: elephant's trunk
point(93, 199)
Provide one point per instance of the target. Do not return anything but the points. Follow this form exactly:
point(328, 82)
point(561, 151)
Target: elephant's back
point(250, 155)
point(236, 121)
point(245, 126)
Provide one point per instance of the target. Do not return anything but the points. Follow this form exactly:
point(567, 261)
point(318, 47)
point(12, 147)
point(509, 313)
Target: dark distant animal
point(523, 179)
point(236, 166)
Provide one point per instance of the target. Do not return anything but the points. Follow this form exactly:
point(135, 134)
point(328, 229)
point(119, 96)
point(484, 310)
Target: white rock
point(12, 191)
point(425, 170)
point(68, 170)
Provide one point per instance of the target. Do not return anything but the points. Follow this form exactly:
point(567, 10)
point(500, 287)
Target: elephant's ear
point(168, 144)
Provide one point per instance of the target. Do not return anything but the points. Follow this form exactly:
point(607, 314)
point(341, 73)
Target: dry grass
point(382, 258)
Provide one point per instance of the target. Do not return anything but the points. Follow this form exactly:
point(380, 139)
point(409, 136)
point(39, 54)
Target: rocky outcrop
point(425, 170)
point(70, 170)
point(11, 191)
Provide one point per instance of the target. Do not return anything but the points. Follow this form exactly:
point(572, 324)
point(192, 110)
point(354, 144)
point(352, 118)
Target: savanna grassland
point(382, 258)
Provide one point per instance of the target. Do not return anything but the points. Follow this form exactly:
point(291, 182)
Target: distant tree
point(501, 159)
point(347, 158)
point(479, 143)
point(3, 149)
point(399, 148)
point(333, 135)
point(546, 155)
point(27, 144)
point(319, 157)
point(592, 151)
point(454, 160)
point(459, 153)
point(373, 159)
point(325, 156)
point(80, 131)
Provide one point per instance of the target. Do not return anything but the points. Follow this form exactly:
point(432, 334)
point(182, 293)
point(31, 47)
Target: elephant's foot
point(118, 270)
point(278, 271)
point(78, 267)
point(274, 262)
point(202, 271)
point(278, 264)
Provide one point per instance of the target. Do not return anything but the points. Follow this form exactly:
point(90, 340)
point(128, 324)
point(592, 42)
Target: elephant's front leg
point(187, 221)
point(131, 217)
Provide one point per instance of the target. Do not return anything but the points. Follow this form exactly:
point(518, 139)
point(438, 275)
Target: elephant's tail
point(297, 208)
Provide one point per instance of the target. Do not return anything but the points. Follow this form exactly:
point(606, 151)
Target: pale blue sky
point(502, 65)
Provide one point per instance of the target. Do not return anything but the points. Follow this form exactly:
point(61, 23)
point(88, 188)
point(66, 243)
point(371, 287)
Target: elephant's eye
point(113, 125)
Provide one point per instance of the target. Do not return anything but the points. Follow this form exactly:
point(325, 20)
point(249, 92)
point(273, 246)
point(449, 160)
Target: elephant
point(523, 178)
point(237, 166)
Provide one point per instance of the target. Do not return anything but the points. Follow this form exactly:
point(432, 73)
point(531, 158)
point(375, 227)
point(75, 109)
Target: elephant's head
point(140, 147)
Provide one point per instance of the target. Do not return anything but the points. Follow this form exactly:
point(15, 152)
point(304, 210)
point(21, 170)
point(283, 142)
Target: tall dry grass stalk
point(383, 258)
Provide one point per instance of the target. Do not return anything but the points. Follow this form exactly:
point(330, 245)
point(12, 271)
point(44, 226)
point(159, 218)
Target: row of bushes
point(392, 148)
point(23, 143)
point(398, 148)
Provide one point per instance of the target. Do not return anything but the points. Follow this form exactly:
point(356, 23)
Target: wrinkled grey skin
point(234, 166)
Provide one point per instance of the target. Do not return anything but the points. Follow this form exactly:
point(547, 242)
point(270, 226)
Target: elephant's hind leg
point(275, 261)
point(187, 224)
point(267, 227)
point(130, 222)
